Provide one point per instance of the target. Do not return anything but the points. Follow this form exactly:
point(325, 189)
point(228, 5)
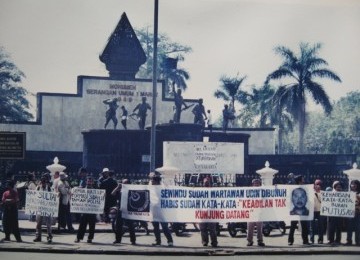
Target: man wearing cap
point(155, 179)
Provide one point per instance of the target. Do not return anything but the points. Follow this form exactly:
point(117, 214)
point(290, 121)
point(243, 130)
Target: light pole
point(154, 81)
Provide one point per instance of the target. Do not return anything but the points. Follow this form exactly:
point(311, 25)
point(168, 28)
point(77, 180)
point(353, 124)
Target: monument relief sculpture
point(111, 112)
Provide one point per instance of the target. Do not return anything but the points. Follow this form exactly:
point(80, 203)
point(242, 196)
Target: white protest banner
point(199, 157)
point(42, 203)
point(220, 204)
point(83, 200)
point(338, 204)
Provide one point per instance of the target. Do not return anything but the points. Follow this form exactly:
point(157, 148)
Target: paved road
point(188, 244)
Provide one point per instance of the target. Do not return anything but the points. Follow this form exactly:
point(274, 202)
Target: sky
point(54, 41)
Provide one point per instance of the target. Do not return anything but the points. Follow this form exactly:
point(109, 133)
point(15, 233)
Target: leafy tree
point(13, 102)
point(302, 70)
point(166, 48)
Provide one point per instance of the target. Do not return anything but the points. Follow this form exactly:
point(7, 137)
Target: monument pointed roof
point(123, 54)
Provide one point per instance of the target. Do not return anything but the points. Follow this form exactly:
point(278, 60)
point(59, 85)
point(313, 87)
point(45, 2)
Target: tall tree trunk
point(302, 122)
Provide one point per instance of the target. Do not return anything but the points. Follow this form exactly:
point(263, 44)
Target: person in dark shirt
point(109, 184)
point(10, 200)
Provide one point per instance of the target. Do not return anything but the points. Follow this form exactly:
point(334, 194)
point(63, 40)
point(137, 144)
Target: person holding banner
point(208, 228)
point(10, 220)
point(43, 186)
point(155, 179)
point(86, 218)
point(318, 223)
point(251, 225)
point(299, 201)
point(354, 223)
point(335, 223)
point(64, 190)
point(120, 221)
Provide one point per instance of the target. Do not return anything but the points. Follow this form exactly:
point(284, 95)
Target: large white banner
point(338, 204)
point(91, 201)
point(42, 203)
point(224, 204)
point(207, 157)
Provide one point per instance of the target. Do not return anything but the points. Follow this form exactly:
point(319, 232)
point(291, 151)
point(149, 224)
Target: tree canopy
point(13, 102)
point(302, 70)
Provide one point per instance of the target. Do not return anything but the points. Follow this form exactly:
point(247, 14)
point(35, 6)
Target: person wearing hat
point(87, 218)
point(64, 190)
point(43, 186)
point(10, 220)
point(155, 179)
point(318, 223)
point(208, 228)
point(335, 223)
point(258, 224)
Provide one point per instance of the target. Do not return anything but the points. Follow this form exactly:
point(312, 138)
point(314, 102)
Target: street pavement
point(187, 244)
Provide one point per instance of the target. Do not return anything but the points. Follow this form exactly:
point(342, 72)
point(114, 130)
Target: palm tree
point(258, 105)
point(230, 89)
point(172, 74)
point(302, 70)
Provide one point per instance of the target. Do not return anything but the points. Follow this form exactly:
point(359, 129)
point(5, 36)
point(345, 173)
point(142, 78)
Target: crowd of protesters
point(321, 226)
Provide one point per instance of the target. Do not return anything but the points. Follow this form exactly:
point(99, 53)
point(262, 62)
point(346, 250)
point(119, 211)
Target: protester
point(353, 224)
point(43, 186)
point(108, 184)
point(208, 228)
point(86, 218)
point(318, 223)
point(258, 224)
point(155, 179)
point(10, 220)
point(56, 180)
point(299, 180)
point(64, 218)
point(120, 222)
point(335, 223)
point(82, 173)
